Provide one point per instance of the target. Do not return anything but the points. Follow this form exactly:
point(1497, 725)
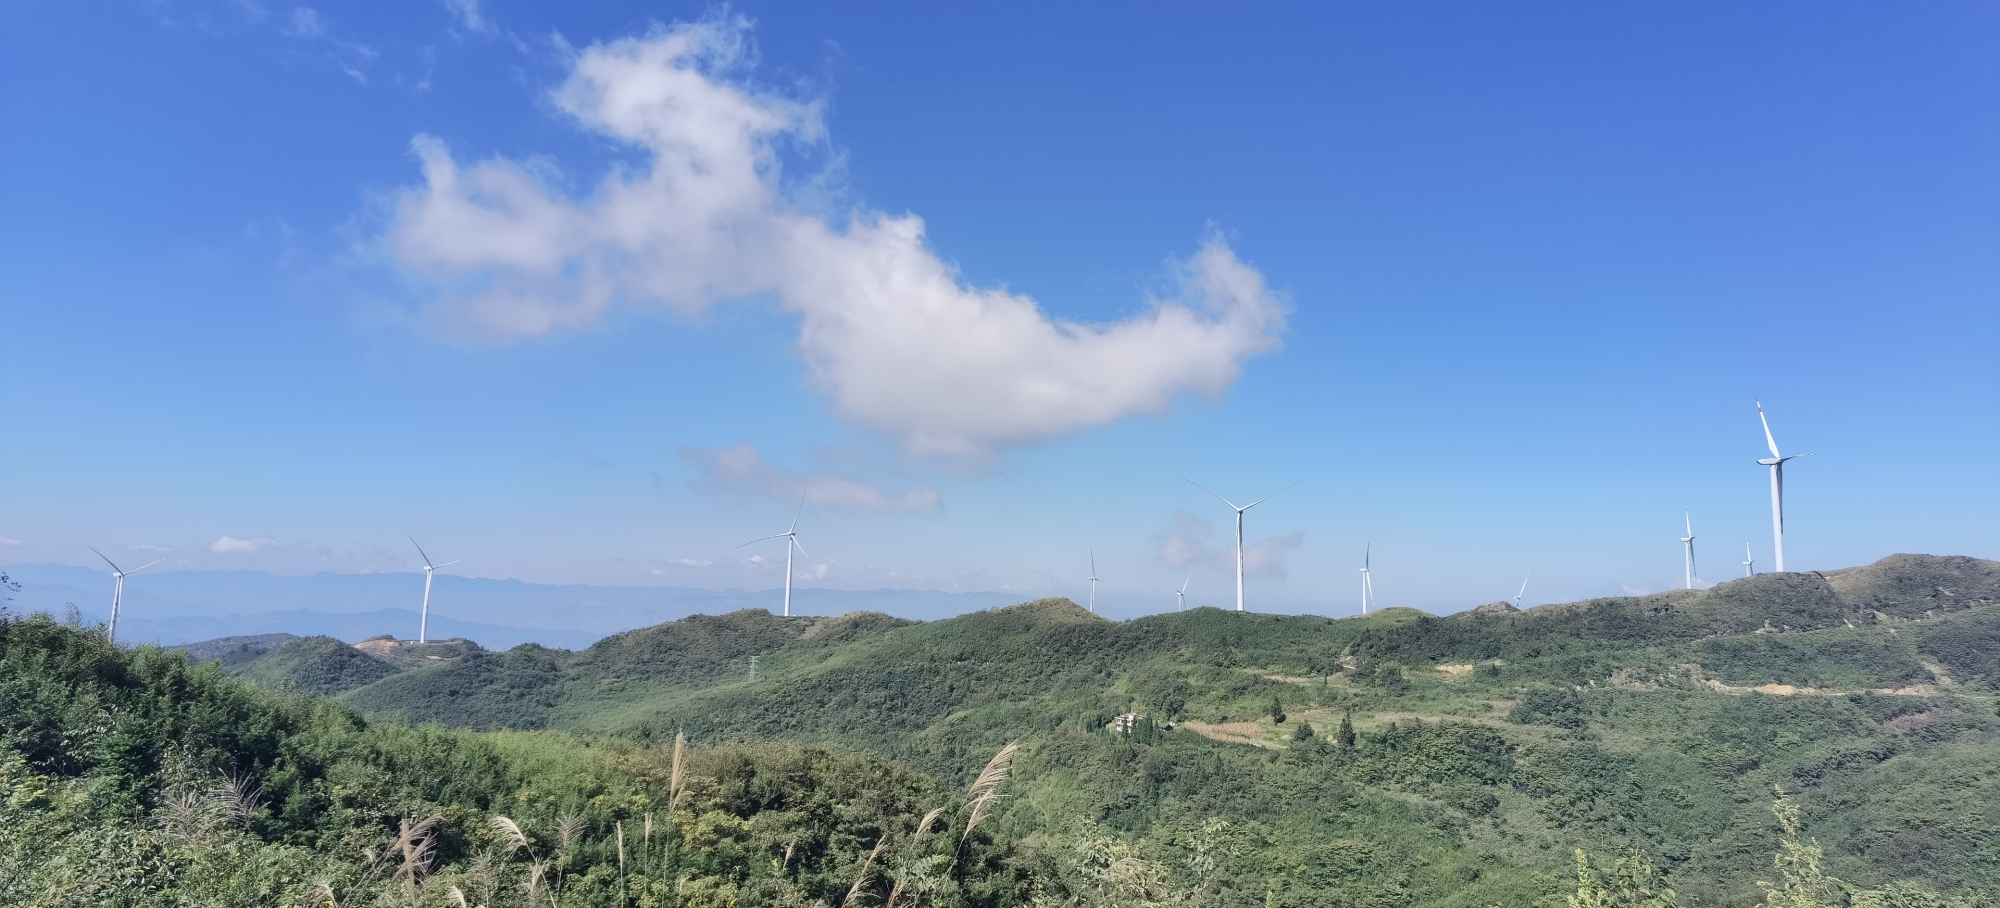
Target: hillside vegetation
point(1395, 759)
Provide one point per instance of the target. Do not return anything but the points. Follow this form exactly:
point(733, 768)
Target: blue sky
point(282, 283)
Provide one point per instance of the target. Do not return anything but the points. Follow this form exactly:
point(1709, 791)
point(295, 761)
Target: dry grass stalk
point(569, 829)
point(510, 835)
point(675, 778)
point(649, 827)
point(456, 896)
point(924, 825)
point(416, 843)
point(985, 791)
point(537, 874)
point(323, 894)
point(619, 827)
point(237, 795)
point(867, 871)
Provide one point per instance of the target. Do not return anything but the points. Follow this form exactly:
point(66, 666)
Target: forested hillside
point(1396, 759)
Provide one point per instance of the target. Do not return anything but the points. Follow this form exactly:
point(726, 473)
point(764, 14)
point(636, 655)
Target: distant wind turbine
point(1523, 592)
point(1093, 581)
point(1180, 595)
point(118, 591)
point(1777, 464)
point(791, 537)
point(1239, 528)
point(1749, 561)
point(424, 620)
point(1688, 541)
point(1367, 579)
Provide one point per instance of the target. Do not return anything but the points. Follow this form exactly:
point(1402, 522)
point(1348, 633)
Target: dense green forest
point(1787, 739)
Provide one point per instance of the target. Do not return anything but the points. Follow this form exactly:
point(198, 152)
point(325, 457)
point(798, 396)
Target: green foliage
point(1474, 755)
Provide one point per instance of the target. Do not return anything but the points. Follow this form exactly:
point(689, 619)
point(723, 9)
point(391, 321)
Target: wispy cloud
point(230, 545)
point(888, 330)
point(469, 16)
point(8, 541)
point(349, 56)
point(150, 549)
point(1185, 544)
point(739, 467)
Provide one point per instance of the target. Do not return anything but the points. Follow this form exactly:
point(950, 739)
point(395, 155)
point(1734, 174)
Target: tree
point(1345, 737)
point(1802, 883)
point(1303, 733)
point(1277, 710)
point(1630, 881)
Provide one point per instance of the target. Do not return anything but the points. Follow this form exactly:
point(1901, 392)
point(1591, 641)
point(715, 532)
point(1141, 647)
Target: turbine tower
point(1777, 464)
point(424, 620)
point(791, 537)
point(1524, 590)
point(1688, 541)
point(118, 591)
point(1179, 595)
point(1367, 581)
point(1093, 581)
point(1239, 529)
point(1749, 561)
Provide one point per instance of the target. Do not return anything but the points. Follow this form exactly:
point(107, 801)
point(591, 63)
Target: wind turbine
point(1688, 541)
point(1367, 581)
point(1777, 464)
point(118, 591)
point(1749, 561)
point(1093, 581)
point(791, 537)
point(1523, 592)
point(1239, 528)
point(424, 620)
point(1180, 595)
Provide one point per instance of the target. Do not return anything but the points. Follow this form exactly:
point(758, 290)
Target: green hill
point(1393, 759)
point(318, 665)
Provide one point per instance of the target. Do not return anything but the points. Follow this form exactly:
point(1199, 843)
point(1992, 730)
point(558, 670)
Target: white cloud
point(230, 545)
point(755, 559)
point(887, 329)
point(469, 15)
point(741, 467)
point(150, 549)
point(692, 562)
point(10, 542)
point(816, 572)
point(305, 23)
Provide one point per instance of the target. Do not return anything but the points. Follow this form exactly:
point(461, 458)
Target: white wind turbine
point(1093, 581)
point(1777, 464)
point(1239, 528)
point(1180, 595)
point(791, 537)
point(118, 591)
point(1688, 541)
point(1524, 590)
point(1367, 579)
point(424, 619)
point(1749, 561)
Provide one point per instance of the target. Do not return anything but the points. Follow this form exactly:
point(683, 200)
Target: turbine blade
point(145, 566)
point(1768, 438)
point(800, 512)
point(1184, 584)
point(764, 538)
point(1211, 492)
point(420, 549)
point(795, 541)
point(1270, 496)
point(448, 563)
point(114, 567)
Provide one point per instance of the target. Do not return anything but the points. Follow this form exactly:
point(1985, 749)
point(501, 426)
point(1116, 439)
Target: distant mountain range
point(174, 607)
